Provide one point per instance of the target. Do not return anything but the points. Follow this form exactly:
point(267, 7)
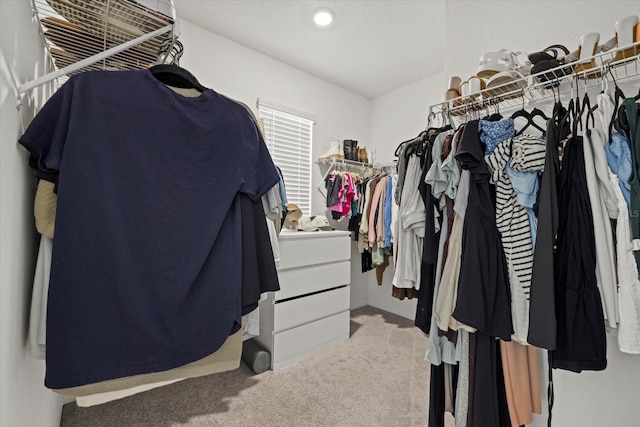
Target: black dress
point(581, 341)
point(259, 274)
point(429, 247)
point(488, 401)
point(542, 316)
point(484, 300)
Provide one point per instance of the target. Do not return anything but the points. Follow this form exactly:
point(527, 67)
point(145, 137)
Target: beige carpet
point(377, 378)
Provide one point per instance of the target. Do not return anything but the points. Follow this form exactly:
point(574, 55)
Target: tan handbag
point(362, 155)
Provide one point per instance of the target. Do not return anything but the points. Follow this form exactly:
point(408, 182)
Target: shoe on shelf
point(475, 86)
point(627, 33)
point(471, 88)
point(547, 65)
point(504, 72)
point(506, 84)
point(350, 148)
point(494, 62)
point(334, 151)
point(587, 48)
point(464, 89)
point(521, 63)
point(453, 90)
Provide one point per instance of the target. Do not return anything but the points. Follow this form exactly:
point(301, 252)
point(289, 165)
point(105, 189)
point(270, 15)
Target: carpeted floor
point(376, 378)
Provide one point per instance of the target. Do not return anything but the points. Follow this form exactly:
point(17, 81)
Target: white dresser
point(311, 310)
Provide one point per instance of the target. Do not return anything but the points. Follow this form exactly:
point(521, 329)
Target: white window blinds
point(288, 135)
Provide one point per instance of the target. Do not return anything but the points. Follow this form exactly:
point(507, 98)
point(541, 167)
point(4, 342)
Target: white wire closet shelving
point(82, 35)
point(619, 65)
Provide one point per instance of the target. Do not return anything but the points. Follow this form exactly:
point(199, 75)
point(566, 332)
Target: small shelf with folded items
point(619, 64)
point(337, 164)
point(82, 35)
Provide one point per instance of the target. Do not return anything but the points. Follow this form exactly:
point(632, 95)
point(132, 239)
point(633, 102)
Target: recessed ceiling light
point(323, 16)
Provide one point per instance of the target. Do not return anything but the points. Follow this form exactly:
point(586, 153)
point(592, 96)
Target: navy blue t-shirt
point(147, 257)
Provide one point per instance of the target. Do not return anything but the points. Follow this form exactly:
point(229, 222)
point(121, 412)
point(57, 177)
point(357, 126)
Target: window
point(288, 135)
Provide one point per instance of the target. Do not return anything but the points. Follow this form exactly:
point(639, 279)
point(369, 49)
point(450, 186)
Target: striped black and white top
point(523, 154)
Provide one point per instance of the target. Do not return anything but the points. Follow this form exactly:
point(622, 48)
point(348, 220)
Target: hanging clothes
point(462, 393)
point(431, 234)
point(439, 352)
point(439, 348)
point(488, 405)
point(375, 212)
point(483, 269)
point(619, 160)
point(493, 133)
point(448, 294)
point(402, 171)
point(542, 314)
point(521, 368)
point(581, 340)
point(363, 231)
point(513, 221)
point(629, 296)
point(605, 250)
point(162, 185)
point(628, 283)
point(627, 122)
point(411, 229)
point(333, 185)
point(617, 149)
point(515, 272)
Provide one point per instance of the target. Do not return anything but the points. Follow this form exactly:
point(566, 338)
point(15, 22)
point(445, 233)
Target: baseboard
point(391, 309)
point(358, 304)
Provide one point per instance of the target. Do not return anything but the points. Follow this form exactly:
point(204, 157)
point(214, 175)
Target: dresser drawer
point(295, 344)
point(301, 281)
point(306, 309)
point(314, 248)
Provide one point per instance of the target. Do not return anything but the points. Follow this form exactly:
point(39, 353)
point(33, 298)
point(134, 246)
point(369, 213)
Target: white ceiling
point(372, 47)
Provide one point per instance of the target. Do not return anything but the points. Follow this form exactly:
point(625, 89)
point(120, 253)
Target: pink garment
point(337, 207)
point(349, 195)
point(345, 196)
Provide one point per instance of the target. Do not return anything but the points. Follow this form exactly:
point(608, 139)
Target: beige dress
point(521, 368)
point(448, 292)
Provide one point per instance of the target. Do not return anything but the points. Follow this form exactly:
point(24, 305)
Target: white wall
point(245, 75)
point(590, 399)
point(24, 401)
point(395, 117)
point(476, 27)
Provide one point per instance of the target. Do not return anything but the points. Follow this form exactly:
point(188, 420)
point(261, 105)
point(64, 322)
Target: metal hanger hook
point(572, 88)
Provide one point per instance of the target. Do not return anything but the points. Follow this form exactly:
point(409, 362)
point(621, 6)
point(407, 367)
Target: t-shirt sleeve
point(258, 172)
point(470, 152)
point(46, 135)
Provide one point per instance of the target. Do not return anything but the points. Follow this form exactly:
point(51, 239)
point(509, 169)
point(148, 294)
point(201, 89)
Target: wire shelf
point(619, 64)
point(74, 30)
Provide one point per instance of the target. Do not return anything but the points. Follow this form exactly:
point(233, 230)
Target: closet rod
point(91, 60)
